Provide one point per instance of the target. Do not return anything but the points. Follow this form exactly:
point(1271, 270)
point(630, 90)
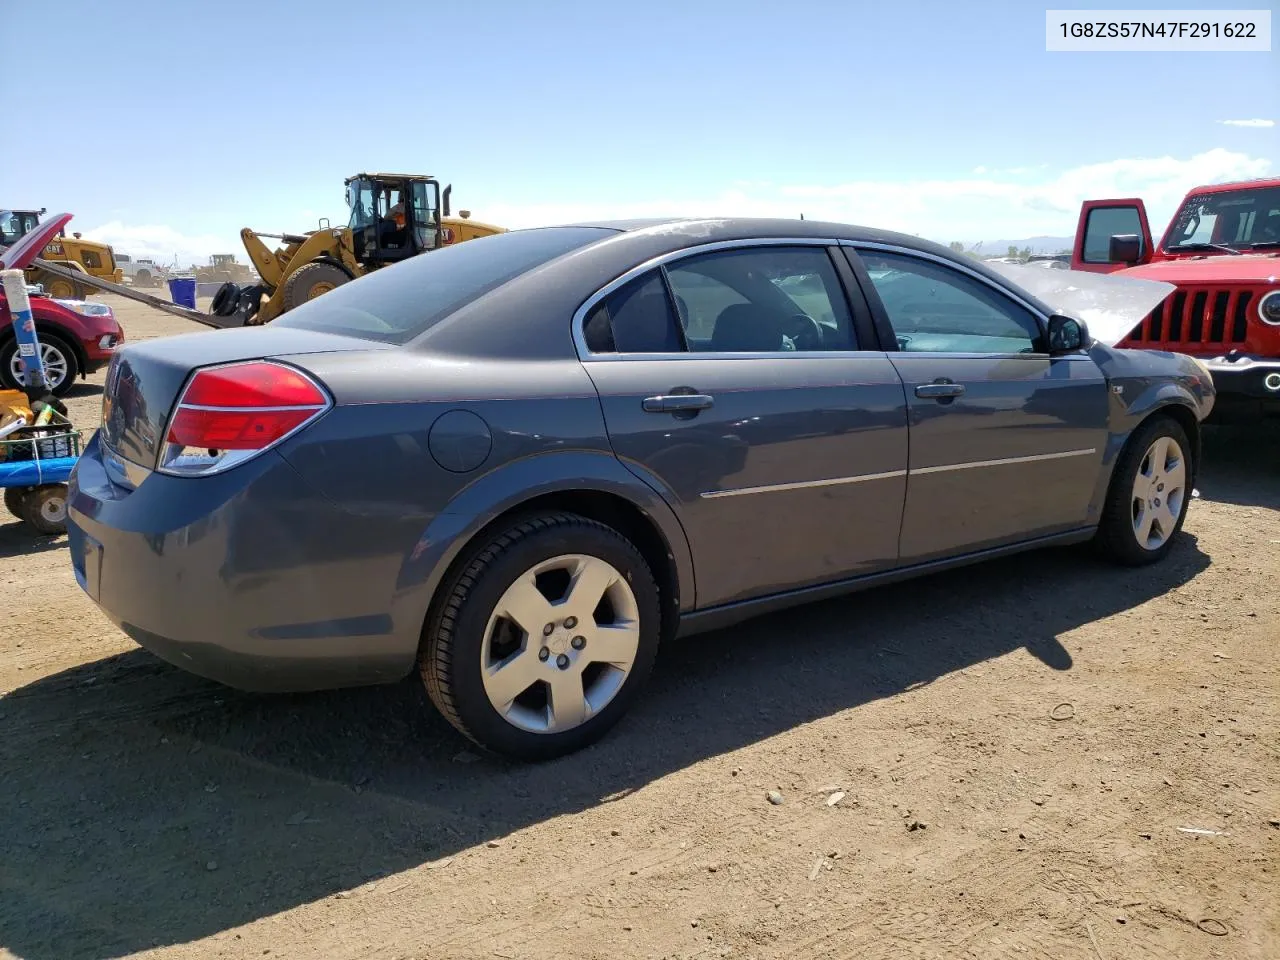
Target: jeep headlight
point(1269, 309)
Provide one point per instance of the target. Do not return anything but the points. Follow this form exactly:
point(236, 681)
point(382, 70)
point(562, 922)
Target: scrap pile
point(38, 448)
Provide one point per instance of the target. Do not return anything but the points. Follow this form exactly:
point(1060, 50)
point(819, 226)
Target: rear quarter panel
point(404, 517)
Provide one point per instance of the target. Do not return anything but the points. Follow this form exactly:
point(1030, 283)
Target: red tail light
point(228, 414)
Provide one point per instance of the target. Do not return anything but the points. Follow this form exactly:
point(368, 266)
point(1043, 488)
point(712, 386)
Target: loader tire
point(310, 281)
point(225, 300)
point(61, 288)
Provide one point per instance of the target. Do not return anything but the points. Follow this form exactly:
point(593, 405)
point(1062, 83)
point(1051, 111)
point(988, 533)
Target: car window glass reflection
point(936, 309)
point(637, 318)
point(761, 301)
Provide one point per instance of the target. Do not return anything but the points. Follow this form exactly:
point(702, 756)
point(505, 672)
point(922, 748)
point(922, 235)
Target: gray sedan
point(518, 464)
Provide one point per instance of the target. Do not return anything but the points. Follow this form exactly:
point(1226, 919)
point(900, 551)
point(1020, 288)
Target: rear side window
point(395, 304)
point(635, 319)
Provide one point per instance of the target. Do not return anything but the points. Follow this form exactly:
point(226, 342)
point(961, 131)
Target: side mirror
point(1125, 248)
point(1066, 335)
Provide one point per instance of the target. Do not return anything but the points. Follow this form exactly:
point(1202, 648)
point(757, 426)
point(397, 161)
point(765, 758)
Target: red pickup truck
point(1222, 250)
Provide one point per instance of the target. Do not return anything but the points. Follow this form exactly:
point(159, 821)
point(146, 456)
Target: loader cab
point(393, 217)
point(16, 224)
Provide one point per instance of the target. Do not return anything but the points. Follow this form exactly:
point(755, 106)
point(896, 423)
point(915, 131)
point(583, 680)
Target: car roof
point(735, 228)
point(528, 318)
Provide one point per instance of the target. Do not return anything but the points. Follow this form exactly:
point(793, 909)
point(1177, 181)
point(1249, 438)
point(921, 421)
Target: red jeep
point(1222, 249)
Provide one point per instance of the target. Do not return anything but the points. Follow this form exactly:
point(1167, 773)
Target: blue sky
point(947, 119)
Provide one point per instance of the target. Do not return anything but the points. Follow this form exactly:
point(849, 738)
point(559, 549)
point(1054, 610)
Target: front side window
point(936, 309)
point(1105, 222)
point(761, 300)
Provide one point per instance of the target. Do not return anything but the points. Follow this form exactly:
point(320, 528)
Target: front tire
point(1149, 494)
point(310, 281)
point(61, 365)
point(543, 638)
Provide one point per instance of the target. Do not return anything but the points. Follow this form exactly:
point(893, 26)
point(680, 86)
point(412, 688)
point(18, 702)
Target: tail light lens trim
point(207, 438)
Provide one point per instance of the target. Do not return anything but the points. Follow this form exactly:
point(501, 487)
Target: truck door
point(1100, 220)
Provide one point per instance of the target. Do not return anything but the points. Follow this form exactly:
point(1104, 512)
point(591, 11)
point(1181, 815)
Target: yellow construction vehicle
point(82, 256)
point(224, 268)
point(393, 216)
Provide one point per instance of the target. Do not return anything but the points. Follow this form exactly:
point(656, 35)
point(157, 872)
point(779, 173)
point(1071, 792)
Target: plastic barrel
point(182, 291)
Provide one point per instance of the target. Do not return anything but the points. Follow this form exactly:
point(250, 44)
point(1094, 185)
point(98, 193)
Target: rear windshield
point(397, 303)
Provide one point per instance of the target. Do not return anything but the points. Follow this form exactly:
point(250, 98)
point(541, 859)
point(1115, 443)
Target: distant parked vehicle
point(141, 272)
point(516, 465)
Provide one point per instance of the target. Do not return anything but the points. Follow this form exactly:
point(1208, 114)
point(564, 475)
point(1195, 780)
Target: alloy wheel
point(55, 363)
point(560, 643)
point(1159, 489)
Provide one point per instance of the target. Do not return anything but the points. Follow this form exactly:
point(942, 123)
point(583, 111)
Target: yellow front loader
point(393, 217)
point(84, 257)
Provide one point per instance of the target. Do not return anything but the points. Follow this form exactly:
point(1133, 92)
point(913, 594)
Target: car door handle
point(677, 403)
point(939, 391)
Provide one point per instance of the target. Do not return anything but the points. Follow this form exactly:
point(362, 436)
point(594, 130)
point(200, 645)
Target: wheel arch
point(1175, 407)
point(614, 511)
point(1186, 418)
point(593, 484)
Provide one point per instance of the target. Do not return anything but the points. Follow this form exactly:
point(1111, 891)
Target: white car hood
point(1110, 306)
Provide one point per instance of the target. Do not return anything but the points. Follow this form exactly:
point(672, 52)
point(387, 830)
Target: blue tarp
point(34, 473)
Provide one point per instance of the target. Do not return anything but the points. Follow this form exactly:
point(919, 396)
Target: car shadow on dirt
point(82, 389)
point(18, 538)
point(1242, 465)
point(143, 806)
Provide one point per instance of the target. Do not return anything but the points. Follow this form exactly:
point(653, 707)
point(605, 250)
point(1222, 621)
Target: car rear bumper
point(1248, 387)
point(246, 578)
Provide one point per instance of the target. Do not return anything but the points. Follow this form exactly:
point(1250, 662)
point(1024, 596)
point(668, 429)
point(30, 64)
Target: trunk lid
point(144, 379)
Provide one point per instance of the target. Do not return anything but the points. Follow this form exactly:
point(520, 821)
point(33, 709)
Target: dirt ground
point(1044, 757)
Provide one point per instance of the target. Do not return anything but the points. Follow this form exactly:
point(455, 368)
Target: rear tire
point(45, 508)
point(13, 501)
point(1149, 494)
point(574, 676)
point(310, 281)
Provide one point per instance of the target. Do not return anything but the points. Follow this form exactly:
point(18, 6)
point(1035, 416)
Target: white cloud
point(986, 205)
point(971, 209)
point(1248, 123)
point(163, 244)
